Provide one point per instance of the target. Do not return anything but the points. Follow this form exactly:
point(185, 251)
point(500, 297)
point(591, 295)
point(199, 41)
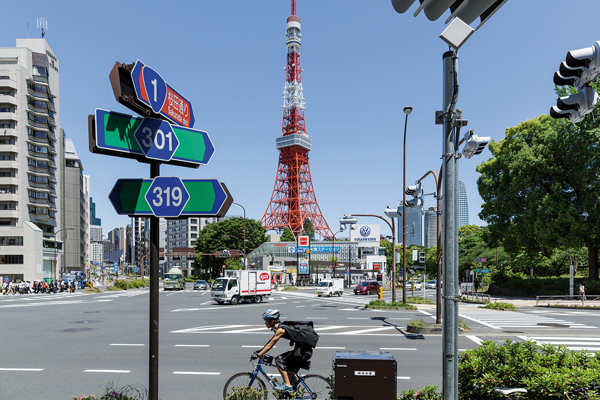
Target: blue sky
point(362, 64)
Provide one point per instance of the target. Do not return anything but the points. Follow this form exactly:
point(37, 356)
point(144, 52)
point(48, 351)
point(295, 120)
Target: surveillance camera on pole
point(580, 68)
point(474, 144)
point(348, 220)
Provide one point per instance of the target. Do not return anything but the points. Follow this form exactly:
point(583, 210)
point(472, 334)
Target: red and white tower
point(293, 199)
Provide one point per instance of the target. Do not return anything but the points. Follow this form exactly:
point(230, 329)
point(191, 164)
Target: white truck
point(330, 287)
point(241, 285)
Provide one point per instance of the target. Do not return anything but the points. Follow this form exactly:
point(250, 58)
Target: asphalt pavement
point(57, 346)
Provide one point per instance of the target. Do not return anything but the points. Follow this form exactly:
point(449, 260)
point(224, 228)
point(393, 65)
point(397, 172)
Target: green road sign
point(144, 197)
point(113, 133)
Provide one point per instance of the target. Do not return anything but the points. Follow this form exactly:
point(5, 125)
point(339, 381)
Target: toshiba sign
point(264, 276)
point(303, 241)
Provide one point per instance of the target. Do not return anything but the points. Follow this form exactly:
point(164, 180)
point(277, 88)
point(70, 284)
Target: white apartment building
point(31, 158)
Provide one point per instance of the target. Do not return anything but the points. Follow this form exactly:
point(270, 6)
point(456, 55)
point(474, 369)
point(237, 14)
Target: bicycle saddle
point(507, 391)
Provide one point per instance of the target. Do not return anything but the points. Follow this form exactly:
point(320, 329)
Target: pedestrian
point(582, 292)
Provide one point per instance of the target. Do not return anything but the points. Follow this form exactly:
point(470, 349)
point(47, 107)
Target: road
point(66, 344)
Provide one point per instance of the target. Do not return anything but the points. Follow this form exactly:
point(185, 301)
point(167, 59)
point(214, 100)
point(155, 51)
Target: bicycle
point(312, 386)
point(581, 393)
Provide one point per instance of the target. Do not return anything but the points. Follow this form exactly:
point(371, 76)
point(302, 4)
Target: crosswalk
point(322, 330)
point(572, 343)
point(42, 299)
point(506, 319)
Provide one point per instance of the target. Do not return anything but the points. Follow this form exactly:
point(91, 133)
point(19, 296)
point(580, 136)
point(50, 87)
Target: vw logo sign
point(365, 231)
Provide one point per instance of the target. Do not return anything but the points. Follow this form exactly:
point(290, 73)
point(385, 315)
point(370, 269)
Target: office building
point(430, 221)
point(463, 205)
point(414, 227)
point(31, 161)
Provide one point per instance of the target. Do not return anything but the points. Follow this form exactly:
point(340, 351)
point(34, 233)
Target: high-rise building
point(93, 219)
point(31, 161)
point(463, 205)
point(74, 210)
point(96, 246)
point(430, 220)
point(86, 194)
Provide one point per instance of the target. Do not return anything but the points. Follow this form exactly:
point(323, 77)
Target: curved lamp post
point(55, 260)
point(245, 261)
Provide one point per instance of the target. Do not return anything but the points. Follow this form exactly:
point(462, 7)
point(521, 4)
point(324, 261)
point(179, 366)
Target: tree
point(541, 189)
point(389, 248)
point(309, 229)
point(287, 236)
point(212, 239)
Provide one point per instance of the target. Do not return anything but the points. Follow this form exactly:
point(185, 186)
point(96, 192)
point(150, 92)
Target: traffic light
point(474, 144)
point(225, 253)
point(576, 106)
point(580, 68)
point(466, 10)
point(414, 190)
point(414, 203)
point(422, 257)
point(348, 220)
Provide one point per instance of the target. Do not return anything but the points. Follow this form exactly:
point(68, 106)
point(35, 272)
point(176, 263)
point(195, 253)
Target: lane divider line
point(22, 369)
point(195, 373)
point(192, 345)
point(117, 371)
point(127, 344)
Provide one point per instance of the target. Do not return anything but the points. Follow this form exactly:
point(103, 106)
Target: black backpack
point(301, 332)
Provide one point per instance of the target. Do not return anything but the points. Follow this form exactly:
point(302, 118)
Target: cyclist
point(290, 360)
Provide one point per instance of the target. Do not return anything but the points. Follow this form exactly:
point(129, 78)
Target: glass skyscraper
point(463, 205)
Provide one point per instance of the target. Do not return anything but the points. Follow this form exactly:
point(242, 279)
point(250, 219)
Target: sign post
point(163, 134)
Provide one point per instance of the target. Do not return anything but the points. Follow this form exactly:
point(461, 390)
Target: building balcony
point(8, 148)
point(8, 116)
point(7, 195)
point(9, 132)
point(8, 99)
point(9, 213)
point(9, 164)
point(8, 83)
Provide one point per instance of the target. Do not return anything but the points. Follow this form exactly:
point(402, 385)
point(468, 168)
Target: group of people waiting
point(39, 287)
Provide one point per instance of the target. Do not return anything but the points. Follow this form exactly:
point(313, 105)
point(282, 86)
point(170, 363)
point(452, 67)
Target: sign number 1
point(153, 82)
point(173, 196)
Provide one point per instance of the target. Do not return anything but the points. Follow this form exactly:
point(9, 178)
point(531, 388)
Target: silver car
point(200, 285)
point(431, 285)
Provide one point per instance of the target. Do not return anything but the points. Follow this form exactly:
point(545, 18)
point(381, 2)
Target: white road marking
point(331, 348)
point(403, 377)
point(126, 344)
point(300, 306)
point(195, 373)
point(397, 348)
point(254, 347)
point(309, 318)
point(474, 338)
point(22, 369)
point(117, 371)
point(369, 330)
point(192, 345)
point(323, 328)
point(219, 308)
point(360, 318)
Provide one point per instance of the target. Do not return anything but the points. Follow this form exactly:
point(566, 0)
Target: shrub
point(245, 393)
point(112, 393)
point(417, 300)
point(463, 324)
point(500, 306)
point(392, 304)
point(290, 288)
point(427, 393)
point(122, 284)
point(417, 322)
point(541, 369)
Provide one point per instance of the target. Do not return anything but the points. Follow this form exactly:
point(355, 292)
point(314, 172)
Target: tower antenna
point(293, 7)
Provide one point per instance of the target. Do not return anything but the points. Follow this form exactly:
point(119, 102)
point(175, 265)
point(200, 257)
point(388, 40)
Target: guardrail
point(567, 298)
point(476, 296)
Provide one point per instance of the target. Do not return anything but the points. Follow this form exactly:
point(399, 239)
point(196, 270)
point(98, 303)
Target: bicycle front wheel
point(242, 380)
point(314, 387)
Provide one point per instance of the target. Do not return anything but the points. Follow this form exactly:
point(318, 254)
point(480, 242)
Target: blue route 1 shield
point(156, 88)
point(157, 139)
point(167, 196)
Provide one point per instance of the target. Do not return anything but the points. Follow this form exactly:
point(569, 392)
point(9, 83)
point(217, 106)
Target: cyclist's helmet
point(271, 313)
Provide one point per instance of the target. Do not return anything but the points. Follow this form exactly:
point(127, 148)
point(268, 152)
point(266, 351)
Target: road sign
point(145, 139)
point(482, 260)
point(145, 197)
point(482, 271)
point(144, 91)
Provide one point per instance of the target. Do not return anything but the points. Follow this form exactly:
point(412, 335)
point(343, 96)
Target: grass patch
point(289, 288)
point(392, 305)
point(463, 324)
point(92, 290)
point(417, 300)
point(465, 300)
point(500, 306)
point(418, 323)
point(113, 288)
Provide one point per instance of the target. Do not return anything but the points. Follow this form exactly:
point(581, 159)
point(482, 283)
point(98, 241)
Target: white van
point(330, 287)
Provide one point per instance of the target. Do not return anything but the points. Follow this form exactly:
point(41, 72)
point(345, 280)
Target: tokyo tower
point(293, 199)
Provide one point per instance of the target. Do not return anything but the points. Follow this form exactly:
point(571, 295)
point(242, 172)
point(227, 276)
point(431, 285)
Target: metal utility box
point(365, 375)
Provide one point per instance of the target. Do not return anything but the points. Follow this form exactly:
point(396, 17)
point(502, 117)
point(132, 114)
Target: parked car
point(415, 285)
point(366, 287)
point(431, 285)
point(200, 285)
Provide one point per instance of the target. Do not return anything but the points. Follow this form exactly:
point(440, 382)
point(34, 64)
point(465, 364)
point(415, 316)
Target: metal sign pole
point(153, 329)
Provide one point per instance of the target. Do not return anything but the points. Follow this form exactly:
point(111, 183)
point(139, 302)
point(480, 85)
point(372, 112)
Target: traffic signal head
point(580, 67)
point(348, 220)
point(422, 257)
point(414, 190)
point(414, 203)
point(474, 144)
point(576, 106)
point(466, 10)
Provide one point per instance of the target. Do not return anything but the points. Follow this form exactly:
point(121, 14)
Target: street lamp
point(393, 214)
point(333, 252)
point(245, 261)
point(407, 110)
point(55, 260)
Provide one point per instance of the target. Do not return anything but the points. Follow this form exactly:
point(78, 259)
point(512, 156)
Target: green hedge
point(138, 283)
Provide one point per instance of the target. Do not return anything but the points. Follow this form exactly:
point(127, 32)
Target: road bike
point(310, 386)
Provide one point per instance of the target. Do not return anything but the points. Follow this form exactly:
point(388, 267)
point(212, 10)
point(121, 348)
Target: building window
point(193, 236)
point(11, 240)
point(194, 228)
point(40, 71)
point(194, 221)
point(37, 149)
point(11, 259)
point(36, 118)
